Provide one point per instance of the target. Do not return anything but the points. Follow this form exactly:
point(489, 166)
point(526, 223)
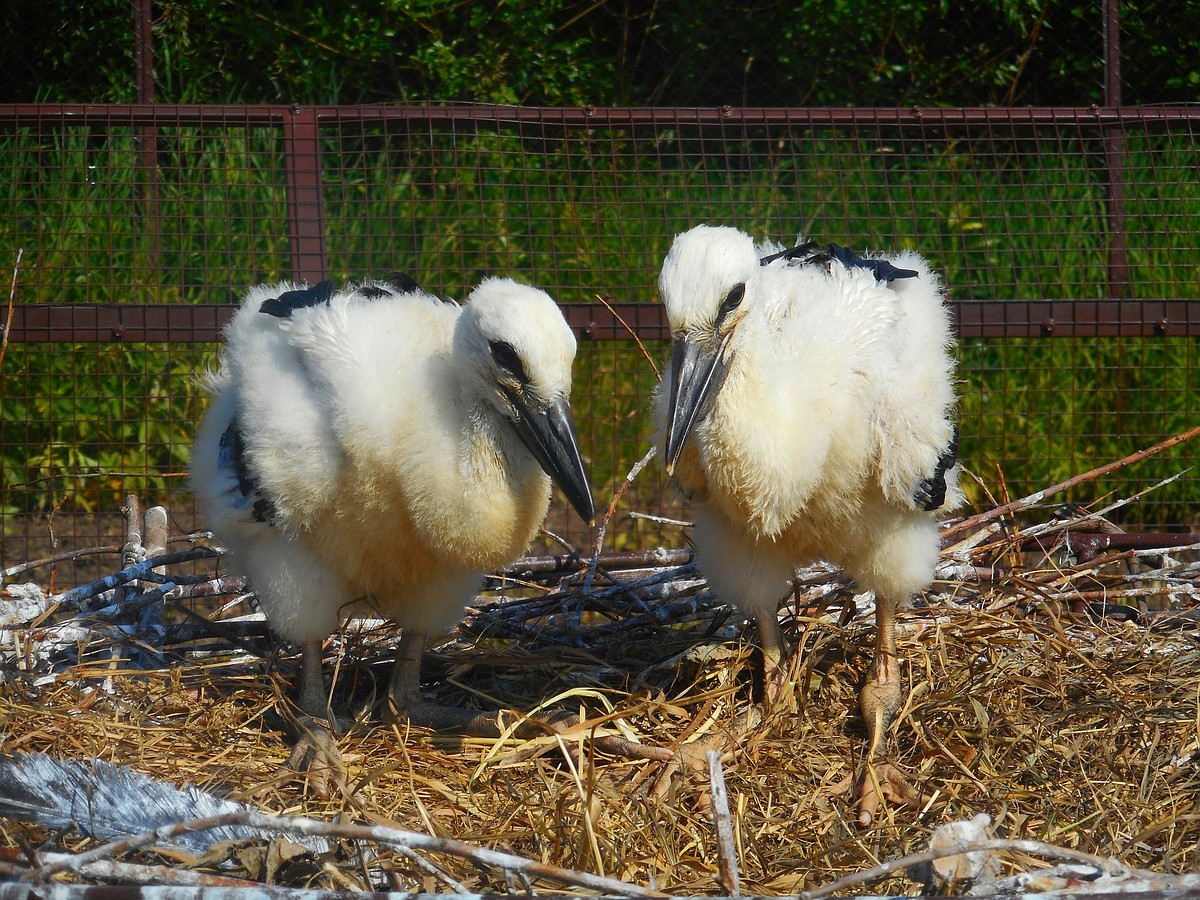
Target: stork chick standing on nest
point(808, 410)
point(383, 448)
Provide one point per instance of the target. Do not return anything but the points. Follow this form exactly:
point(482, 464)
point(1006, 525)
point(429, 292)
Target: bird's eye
point(506, 358)
point(731, 302)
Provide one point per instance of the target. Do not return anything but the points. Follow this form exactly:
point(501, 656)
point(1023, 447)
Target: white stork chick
point(808, 409)
point(379, 447)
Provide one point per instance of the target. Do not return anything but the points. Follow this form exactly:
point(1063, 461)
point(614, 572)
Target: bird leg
point(405, 704)
point(770, 639)
point(880, 701)
point(315, 753)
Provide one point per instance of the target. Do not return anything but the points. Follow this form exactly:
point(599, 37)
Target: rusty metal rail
point(37, 323)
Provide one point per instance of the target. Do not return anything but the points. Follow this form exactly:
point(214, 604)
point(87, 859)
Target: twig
point(430, 869)
point(602, 530)
point(12, 299)
point(1105, 865)
point(58, 557)
point(187, 589)
point(379, 833)
point(604, 299)
point(108, 582)
point(660, 520)
point(727, 867)
point(133, 873)
point(133, 551)
point(1038, 496)
point(99, 473)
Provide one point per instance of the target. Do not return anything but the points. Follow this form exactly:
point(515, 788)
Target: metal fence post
point(305, 202)
point(1114, 155)
point(147, 135)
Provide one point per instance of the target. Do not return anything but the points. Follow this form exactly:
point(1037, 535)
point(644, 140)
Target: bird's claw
point(315, 756)
point(877, 782)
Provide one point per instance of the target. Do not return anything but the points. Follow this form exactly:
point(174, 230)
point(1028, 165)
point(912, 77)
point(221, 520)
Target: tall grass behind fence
point(1008, 210)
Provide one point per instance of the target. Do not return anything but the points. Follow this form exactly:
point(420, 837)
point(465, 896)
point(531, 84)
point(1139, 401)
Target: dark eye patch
point(732, 301)
point(506, 358)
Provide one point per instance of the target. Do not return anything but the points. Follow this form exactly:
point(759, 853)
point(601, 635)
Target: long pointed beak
point(551, 437)
point(696, 375)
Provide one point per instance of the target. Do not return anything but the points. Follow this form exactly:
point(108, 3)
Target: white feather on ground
point(109, 802)
point(808, 409)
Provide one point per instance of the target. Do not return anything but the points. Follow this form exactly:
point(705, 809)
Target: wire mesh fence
point(1065, 237)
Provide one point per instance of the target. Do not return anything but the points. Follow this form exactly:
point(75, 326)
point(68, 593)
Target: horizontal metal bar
point(592, 116)
point(177, 323)
point(36, 323)
point(729, 115)
point(111, 114)
point(1077, 318)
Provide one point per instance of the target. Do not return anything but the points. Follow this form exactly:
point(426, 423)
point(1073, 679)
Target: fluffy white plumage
point(808, 408)
point(380, 445)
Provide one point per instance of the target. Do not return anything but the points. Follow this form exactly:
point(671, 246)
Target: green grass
point(1010, 217)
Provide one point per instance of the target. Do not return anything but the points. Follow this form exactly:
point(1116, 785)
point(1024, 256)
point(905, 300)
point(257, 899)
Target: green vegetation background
point(462, 205)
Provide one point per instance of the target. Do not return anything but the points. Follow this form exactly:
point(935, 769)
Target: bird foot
point(563, 722)
point(775, 686)
point(877, 782)
point(691, 758)
point(315, 756)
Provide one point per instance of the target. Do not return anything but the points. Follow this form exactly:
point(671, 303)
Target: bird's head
point(706, 285)
point(518, 352)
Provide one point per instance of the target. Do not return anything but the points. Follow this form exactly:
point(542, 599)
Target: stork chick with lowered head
point(808, 410)
point(380, 448)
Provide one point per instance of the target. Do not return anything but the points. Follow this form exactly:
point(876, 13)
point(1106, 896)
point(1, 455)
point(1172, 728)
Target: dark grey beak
point(551, 438)
point(696, 376)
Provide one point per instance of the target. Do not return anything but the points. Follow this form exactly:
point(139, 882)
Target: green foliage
point(612, 52)
point(589, 213)
point(81, 426)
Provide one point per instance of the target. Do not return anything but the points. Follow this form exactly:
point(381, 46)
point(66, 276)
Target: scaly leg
point(315, 752)
point(692, 756)
point(880, 701)
point(770, 639)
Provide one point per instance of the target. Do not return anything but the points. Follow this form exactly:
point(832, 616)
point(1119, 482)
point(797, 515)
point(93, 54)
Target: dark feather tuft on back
point(289, 301)
point(811, 253)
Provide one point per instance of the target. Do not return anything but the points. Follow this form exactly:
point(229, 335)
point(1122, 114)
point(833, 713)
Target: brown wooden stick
point(1105, 865)
point(133, 551)
point(602, 529)
point(154, 536)
point(727, 866)
point(58, 557)
point(12, 299)
point(633, 334)
point(1038, 496)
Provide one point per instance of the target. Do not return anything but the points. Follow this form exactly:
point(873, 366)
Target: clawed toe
point(316, 758)
point(879, 782)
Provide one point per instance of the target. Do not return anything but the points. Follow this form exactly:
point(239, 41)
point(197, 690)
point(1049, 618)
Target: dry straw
point(1053, 687)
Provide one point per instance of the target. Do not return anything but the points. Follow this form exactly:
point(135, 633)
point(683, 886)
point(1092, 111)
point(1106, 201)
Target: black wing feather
point(289, 301)
point(811, 253)
point(930, 493)
point(232, 458)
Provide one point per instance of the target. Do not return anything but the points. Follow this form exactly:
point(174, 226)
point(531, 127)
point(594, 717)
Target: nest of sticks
point(1052, 679)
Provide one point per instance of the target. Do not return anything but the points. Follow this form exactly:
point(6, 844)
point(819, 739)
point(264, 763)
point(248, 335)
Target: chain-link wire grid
point(139, 226)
